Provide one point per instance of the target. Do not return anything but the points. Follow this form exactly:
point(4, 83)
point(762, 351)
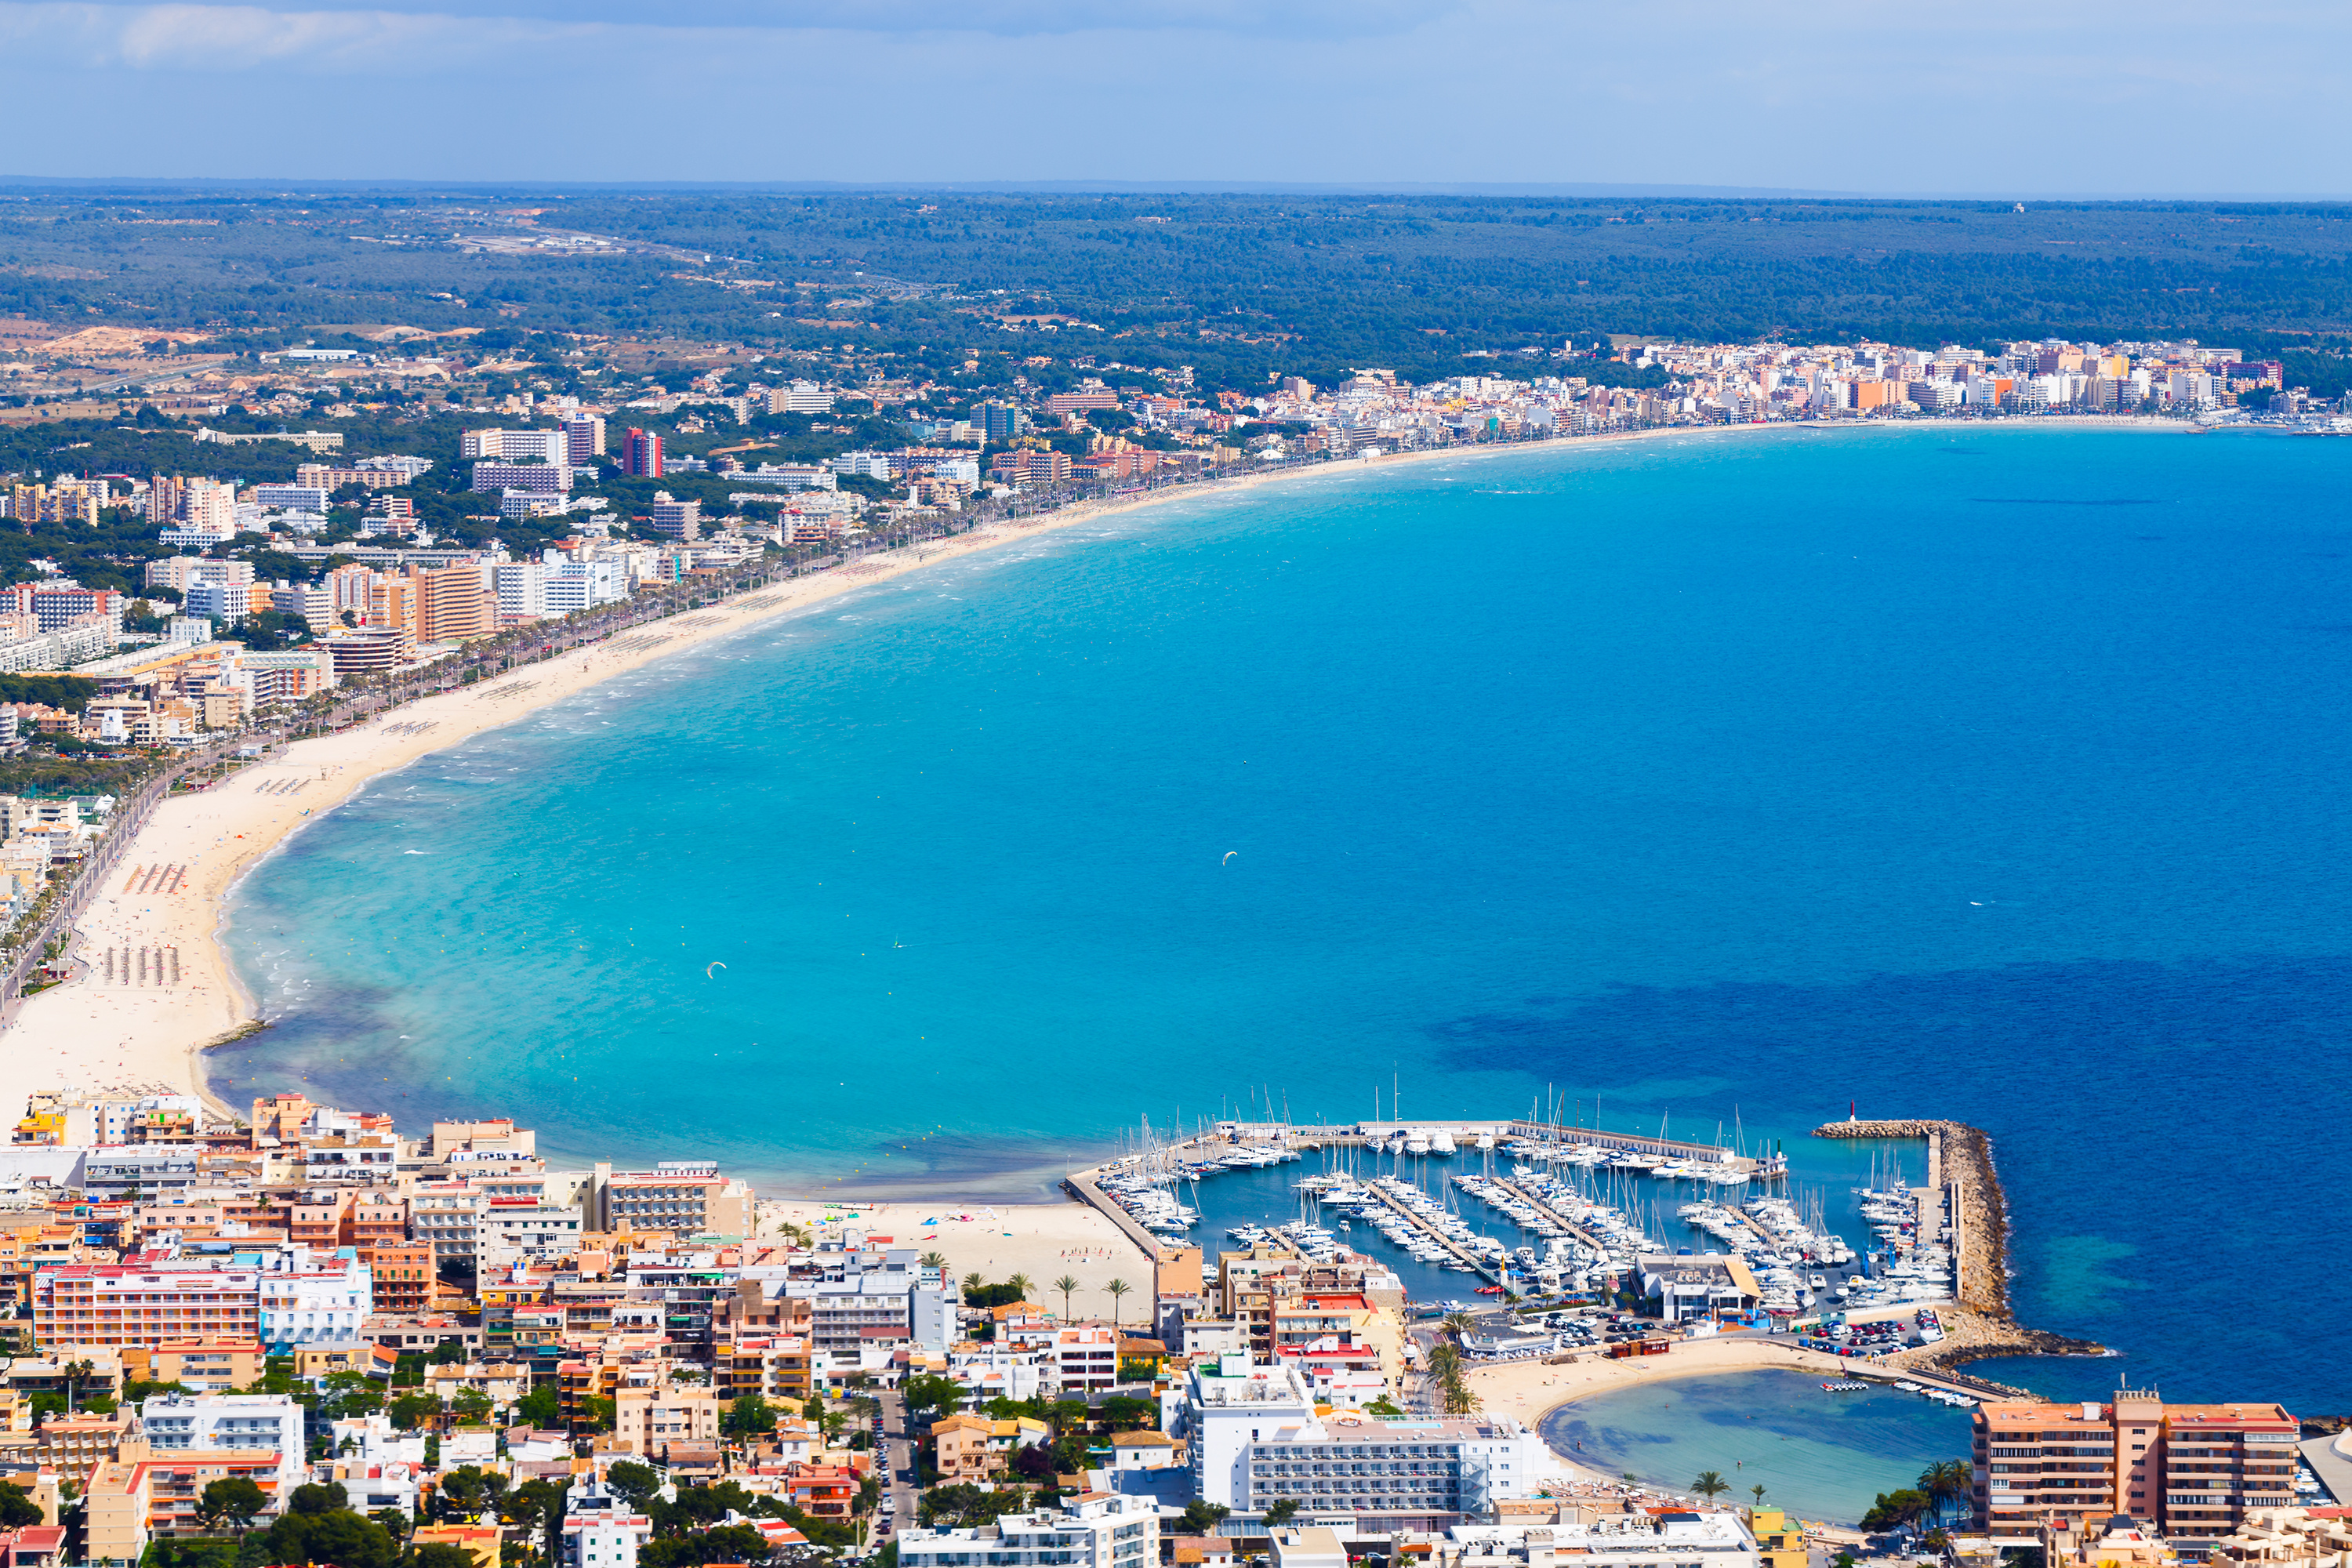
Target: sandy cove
point(996, 1240)
point(89, 1035)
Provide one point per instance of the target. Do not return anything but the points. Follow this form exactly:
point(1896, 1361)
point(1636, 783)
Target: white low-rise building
point(601, 1532)
point(229, 1423)
point(1675, 1539)
point(1256, 1440)
point(307, 1298)
point(1095, 1530)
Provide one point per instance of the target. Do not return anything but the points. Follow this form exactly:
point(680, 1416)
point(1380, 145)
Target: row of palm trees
point(1946, 1485)
point(1068, 1285)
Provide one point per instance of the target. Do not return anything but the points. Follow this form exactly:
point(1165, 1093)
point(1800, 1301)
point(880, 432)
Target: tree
point(726, 1543)
point(633, 1483)
point(542, 1407)
point(1895, 1509)
point(1946, 1482)
point(411, 1412)
point(1203, 1518)
point(18, 1507)
point(1125, 1412)
point(1384, 1407)
point(1281, 1511)
point(1458, 1324)
point(1020, 1284)
point(233, 1501)
point(434, 1555)
point(1115, 1289)
point(971, 1284)
point(340, 1537)
point(317, 1497)
point(1710, 1484)
point(931, 1395)
point(1066, 1285)
point(1759, 1490)
point(935, 1260)
point(964, 1504)
point(749, 1416)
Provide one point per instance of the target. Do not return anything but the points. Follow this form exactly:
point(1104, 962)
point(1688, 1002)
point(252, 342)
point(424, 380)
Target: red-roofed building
point(821, 1492)
point(34, 1546)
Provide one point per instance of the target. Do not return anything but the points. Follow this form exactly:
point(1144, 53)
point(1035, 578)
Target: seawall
point(1960, 1163)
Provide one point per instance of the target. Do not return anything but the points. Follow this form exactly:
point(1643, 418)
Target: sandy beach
point(96, 1034)
point(92, 1033)
point(995, 1240)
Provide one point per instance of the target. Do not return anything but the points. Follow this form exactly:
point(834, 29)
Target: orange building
point(2193, 1470)
point(452, 605)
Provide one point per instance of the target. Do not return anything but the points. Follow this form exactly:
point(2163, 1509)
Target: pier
point(1226, 1135)
point(1553, 1215)
point(1485, 1272)
point(1960, 1172)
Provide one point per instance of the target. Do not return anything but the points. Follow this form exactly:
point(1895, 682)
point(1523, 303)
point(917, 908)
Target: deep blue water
point(1821, 1456)
point(1995, 775)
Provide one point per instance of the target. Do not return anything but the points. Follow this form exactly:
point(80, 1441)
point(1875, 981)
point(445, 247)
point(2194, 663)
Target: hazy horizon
point(2067, 101)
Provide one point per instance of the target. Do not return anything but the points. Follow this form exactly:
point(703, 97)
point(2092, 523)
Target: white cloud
point(2025, 96)
point(216, 38)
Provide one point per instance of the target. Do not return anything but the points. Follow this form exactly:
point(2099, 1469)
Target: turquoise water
point(1722, 780)
point(1823, 1457)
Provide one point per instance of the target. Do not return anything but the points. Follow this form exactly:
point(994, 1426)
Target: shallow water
point(1823, 1457)
point(1715, 783)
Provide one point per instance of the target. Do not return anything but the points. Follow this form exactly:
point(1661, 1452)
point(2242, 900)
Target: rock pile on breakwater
point(1960, 1157)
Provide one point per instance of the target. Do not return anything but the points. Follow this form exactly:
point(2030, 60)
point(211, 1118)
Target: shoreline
point(85, 1033)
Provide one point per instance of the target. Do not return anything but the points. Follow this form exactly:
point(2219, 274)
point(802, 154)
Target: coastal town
point(312, 1331)
point(254, 594)
point(300, 1333)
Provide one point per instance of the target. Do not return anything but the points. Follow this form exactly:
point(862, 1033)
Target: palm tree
point(1115, 1289)
point(1019, 1283)
point(1710, 1484)
point(935, 1260)
point(1759, 1490)
point(1458, 1324)
point(1946, 1482)
point(1066, 1285)
point(971, 1284)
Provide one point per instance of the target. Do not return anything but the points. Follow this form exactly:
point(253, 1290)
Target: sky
point(1991, 96)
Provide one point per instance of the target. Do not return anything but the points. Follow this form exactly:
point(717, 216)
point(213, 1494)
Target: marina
point(1533, 1209)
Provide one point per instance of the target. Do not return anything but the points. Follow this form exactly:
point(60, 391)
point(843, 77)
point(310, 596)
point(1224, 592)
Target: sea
point(1775, 1436)
point(1716, 785)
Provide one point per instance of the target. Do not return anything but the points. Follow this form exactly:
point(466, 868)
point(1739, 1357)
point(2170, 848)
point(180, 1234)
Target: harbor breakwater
point(1961, 1163)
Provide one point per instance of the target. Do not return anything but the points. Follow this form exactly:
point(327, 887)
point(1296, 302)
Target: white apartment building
point(1095, 1531)
point(372, 1438)
point(1255, 1438)
point(293, 498)
point(1717, 1539)
point(517, 445)
point(309, 1297)
point(506, 1230)
point(1085, 1359)
point(599, 1531)
point(1230, 1403)
point(521, 588)
point(570, 586)
point(447, 1215)
point(800, 397)
point(228, 1423)
point(539, 478)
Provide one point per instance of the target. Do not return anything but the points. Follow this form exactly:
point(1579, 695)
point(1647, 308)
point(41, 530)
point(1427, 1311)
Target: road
point(898, 1460)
